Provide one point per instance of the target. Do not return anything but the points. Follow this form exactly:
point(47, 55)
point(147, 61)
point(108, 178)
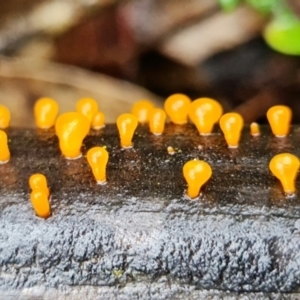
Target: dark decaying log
point(138, 237)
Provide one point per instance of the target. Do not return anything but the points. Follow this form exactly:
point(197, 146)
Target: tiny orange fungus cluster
point(89, 108)
point(71, 129)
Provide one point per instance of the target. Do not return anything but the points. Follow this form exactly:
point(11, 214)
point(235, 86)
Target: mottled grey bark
point(138, 236)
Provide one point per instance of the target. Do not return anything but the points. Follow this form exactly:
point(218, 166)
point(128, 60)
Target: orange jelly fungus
point(142, 110)
point(98, 120)
point(157, 121)
point(196, 173)
point(127, 124)
point(177, 107)
point(285, 167)
point(204, 113)
point(71, 128)
point(4, 150)
point(88, 107)
point(279, 118)
point(254, 129)
point(39, 182)
point(232, 124)
point(97, 158)
point(40, 203)
point(4, 117)
point(45, 112)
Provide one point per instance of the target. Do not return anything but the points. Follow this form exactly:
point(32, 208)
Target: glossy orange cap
point(177, 108)
point(204, 113)
point(97, 158)
point(4, 117)
point(45, 112)
point(127, 124)
point(71, 128)
point(141, 110)
point(254, 129)
point(40, 203)
point(4, 150)
point(232, 124)
point(157, 121)
point(285, 167)
point(196, 173)
point(39, 182)
point(88, 107)
point(279, 118)
point(98, 120)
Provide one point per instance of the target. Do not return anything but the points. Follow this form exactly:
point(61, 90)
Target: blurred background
point(245, 54)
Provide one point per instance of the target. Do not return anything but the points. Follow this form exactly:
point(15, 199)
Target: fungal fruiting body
point(157, 121)
point(4, 150)
point(232, 124)
point(88, 107)
point(39, 182)
point(285, 167)
point(204, 113)
point(40, 203)
point(177, 108)
point(98, 121)
point(171, 150)
point(45, 112)
point(279, 118)
point(40, 195)
point(4, 117)
point(141, 110)
point(196, 173)
point(127, 124)
point(254, 129)
point(97, 158)
point(71, 128)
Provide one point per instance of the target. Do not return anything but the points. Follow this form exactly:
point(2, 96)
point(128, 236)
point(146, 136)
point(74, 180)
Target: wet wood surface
point(139, 231)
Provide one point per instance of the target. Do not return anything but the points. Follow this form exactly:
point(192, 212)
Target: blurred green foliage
point(282, 31)
point(263, 6)
point(229, 5)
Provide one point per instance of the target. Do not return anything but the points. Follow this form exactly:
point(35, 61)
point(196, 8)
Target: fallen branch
point(242, 235)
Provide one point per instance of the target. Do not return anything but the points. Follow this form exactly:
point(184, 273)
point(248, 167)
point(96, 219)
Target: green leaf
point(283, 34)
point(229, 5)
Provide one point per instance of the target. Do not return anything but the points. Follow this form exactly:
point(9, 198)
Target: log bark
point(138, 237)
